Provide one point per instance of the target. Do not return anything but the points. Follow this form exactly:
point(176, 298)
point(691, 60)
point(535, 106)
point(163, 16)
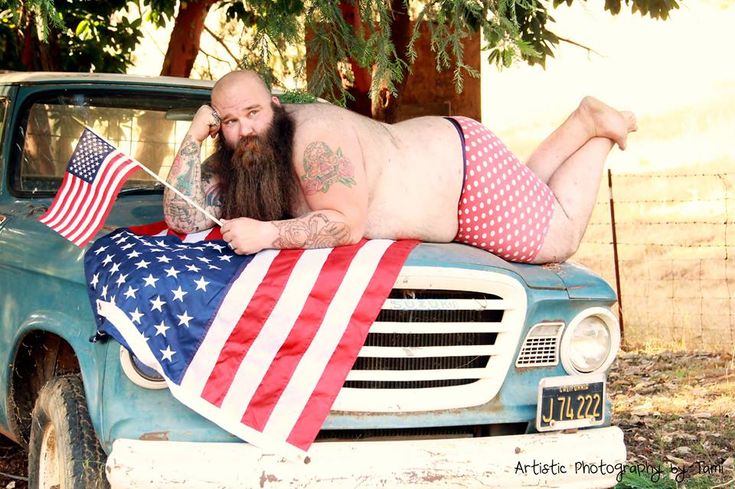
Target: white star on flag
point(184, 319)
point(201, 284)
point(157, 303)
point(168, 354)
point(130, 293)
point(179, 294)
point(161, 329)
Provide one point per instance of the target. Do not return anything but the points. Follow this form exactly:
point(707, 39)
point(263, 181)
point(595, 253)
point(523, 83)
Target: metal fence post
point(615, 254)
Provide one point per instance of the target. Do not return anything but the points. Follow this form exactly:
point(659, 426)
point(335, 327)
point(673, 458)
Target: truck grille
point(421, 340)
point(444, 339)
point(541, 346)
point(538, 352)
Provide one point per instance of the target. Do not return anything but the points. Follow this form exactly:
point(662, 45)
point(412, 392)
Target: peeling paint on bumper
point(583, 459)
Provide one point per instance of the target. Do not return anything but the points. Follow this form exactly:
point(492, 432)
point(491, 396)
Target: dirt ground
point(12, 465)
point(677, 411)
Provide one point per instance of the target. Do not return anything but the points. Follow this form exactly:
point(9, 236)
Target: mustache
point(249, 144)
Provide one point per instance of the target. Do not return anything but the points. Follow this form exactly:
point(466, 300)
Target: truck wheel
point(63, 452)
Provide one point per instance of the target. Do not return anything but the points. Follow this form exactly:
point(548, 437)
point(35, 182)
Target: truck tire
point(63, 452)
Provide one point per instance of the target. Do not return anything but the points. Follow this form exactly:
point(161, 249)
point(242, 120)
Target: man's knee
point(560, 243)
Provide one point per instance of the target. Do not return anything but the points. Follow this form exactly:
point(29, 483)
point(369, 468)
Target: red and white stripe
point(79, 209)
point(287, 334)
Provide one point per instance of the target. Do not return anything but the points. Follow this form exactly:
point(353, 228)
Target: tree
point(61, 35)
point(361, 50)
point(379, 44)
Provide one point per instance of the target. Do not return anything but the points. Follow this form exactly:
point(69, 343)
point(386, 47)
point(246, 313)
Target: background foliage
point(373, 39)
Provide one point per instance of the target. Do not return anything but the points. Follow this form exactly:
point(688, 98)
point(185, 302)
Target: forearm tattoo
point(324, 167)
point(194, 180)
point(314, 230)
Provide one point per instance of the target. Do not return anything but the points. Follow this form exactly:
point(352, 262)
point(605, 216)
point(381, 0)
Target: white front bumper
point(502, 462)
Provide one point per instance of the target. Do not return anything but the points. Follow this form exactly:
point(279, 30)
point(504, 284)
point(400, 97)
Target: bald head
point(245, 80)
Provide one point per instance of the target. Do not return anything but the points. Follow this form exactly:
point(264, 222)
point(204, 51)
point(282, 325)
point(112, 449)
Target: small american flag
point(260, 344)
point(93, 177)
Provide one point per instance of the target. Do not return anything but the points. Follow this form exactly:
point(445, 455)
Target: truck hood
point(578, 281)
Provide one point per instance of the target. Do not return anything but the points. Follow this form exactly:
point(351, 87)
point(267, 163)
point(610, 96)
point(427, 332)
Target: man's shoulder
point(320, 120)
point(319, 111)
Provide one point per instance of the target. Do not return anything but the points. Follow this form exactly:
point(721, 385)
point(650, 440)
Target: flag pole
point(166, 184)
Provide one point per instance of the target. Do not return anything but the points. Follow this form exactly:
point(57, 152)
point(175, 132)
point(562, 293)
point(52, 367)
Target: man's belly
point(417, 184)
point(416, 202)
point(405, 222)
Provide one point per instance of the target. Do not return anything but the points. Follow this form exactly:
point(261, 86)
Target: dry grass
point(677, 409)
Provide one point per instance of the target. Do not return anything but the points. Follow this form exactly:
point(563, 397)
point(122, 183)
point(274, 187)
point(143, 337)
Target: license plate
point(570, 402)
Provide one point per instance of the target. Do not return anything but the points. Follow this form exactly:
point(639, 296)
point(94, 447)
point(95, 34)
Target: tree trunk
point(385, 107)
point(28, 51)
point(183, 47)
point(360, 89)
point(36, 55)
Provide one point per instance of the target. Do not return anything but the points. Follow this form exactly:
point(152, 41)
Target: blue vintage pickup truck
point(481, 373)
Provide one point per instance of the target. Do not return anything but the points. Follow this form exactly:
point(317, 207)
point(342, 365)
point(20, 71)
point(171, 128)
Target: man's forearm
point(186, 177)
point(318, 229)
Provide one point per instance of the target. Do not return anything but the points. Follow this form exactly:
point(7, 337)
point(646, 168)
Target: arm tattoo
point(314, 230)
point(323, 167)
point(194, 180)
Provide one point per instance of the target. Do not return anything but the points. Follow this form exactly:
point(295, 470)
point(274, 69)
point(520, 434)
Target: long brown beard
point(256, 178)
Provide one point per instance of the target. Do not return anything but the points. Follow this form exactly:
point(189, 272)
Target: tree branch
point(222, 43)
point(574, 43)
point(201, 50)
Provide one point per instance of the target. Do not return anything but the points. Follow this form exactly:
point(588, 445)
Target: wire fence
point(668, 248)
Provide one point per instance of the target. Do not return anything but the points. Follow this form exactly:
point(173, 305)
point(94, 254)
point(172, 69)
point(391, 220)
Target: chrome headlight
point(139, 373)
point(591, 341)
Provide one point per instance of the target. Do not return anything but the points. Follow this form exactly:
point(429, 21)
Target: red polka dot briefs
point(504, 207)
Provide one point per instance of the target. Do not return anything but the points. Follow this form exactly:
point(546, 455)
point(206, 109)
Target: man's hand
point(205, 123)
point(245, 236)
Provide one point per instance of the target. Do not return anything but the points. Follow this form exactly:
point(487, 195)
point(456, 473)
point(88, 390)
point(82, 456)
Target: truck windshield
point(147, 127)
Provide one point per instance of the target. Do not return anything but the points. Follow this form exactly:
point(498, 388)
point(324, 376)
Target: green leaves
point(297, 97)
point(18, 12)
point(89, 35)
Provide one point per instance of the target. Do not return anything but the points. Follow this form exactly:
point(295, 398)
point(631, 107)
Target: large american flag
point(260, 344)
point(93, 177)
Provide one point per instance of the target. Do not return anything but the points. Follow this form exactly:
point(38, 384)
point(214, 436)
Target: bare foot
point(604, 121)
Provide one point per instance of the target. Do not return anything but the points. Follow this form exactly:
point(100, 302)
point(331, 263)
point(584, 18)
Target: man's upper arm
point(331, 172)
point(181, 215)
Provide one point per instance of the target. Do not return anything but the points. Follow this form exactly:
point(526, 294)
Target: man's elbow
point(176, 225)
point(178, 222)
point(356, 233)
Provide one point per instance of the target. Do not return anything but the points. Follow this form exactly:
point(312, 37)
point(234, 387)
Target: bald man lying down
point(317, 175)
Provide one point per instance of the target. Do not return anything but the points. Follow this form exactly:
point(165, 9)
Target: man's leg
point(575, 185)
point(570, 161)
